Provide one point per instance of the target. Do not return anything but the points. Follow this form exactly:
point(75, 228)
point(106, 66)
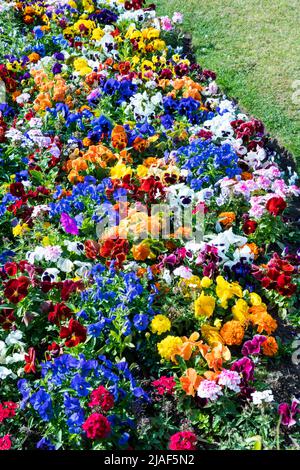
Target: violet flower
point(69, 224)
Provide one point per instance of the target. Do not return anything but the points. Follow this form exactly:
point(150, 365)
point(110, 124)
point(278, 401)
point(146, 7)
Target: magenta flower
point(253, 346)
point(288, 413)
point(69, 224)
point(245, 367)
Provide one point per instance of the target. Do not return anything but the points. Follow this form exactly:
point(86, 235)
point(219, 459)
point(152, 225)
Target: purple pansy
point(69, 224)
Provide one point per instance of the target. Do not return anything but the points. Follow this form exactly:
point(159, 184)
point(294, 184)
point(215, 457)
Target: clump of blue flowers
point(207, 163)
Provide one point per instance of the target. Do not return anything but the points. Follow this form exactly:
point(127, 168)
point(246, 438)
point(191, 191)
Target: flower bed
point(147, 254)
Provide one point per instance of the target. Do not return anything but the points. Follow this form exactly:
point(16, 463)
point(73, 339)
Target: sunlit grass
point(255, 49)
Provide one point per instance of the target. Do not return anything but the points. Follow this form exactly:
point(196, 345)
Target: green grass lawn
point(254, 46)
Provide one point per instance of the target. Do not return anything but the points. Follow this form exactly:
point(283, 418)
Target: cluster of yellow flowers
point(160, 324)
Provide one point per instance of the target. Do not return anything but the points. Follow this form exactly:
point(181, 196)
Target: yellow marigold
point(168, 346)
point(206, 282)
point(270, 346)
point(160, 324)
point(240, 311)
point(204, 306)
point(232, 333)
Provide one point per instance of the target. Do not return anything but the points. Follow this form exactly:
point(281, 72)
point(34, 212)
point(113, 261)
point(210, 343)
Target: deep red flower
point(17, 189)
point(7, 318)
point(184, 440)
point(59, 312)
point(74, 333)
point(11, 268)
point(102, 397)
point(96, 426)
point(5, 442)
point(53, 350)
point(68, 287)
point(16, 289)
point(115, 249)
point(276, 205)
point(30, 361)
point(203, 134)
point(209, 74)
point(285, 286)
point(153, 188)
point(249, 227)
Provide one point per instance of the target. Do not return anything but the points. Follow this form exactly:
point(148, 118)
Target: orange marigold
point(226, 218)
point(232, 332)
point(260, 318)
point(270, 346)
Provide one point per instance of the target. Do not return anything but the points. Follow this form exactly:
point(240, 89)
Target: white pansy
point(83, 268)
point(75, 247)
point(167, 276)
point(15, 357)
point(183, 271)
point(51, 275)
point(65, 265)
point(14, 338)
point(23, 98)
point(5, 372)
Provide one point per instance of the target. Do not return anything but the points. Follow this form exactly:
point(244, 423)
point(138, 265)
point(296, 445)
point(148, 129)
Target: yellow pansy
point(255, 299)
point(204, 306)
point(20, 229)
point(46, 241)
point(88, 25)
point(206, 282)
point(150, 33)
point(120, 170)
point(240, 311)
point(135, 60)
point(158, 45)
point(211, 335)
point(81, 66)
point(98, 33)
point(141, 171)
point(88, 6)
